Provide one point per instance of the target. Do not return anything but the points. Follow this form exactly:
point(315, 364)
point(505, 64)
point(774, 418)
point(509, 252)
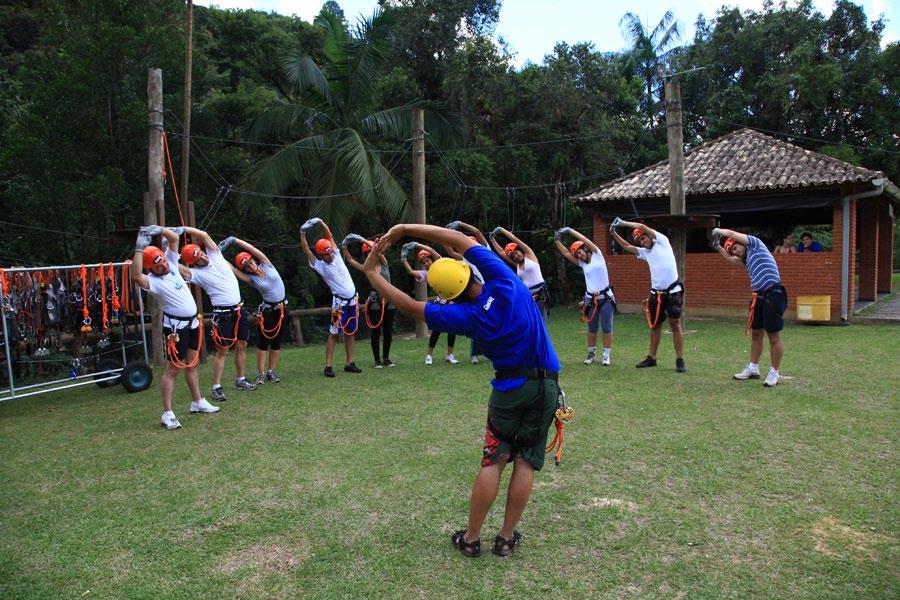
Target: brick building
point(752, 180)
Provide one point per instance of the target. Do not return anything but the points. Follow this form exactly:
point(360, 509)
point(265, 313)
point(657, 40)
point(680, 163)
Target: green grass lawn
point(672, 486)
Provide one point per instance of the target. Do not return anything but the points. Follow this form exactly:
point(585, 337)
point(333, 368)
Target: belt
point(528, 373)
point(772, 288)
point(266, 303)
point(182, 319)
point(225, 309)
point(669, 290)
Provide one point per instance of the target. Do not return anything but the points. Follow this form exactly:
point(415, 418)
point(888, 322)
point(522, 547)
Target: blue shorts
point(348, 321)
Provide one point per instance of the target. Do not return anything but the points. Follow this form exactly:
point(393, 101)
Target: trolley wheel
point(107, 364)
point(137, 376)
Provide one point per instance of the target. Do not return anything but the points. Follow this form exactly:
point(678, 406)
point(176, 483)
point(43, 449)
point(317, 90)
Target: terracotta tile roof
point(744, 160)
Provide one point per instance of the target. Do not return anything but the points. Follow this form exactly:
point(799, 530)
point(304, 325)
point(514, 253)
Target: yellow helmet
point(449, 277)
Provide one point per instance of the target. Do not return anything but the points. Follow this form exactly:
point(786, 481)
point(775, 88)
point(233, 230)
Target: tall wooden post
point(418, 182)
point(678, 234)
point(153, 201)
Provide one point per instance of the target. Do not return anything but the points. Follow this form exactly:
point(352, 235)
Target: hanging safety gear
point(153, 256)
point(242, 259)
point(190, 253)
point(449, 277)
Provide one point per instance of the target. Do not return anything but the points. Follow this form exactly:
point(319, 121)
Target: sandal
point(470, 549)
point(505, 547)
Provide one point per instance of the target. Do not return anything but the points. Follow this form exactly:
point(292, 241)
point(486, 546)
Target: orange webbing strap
point(366, 313)
point(85, 312)
point(750, 314)
point(104, 312)
point(336, 319)
point(225, 343)
point(127, 301)
point(5, 282)
point(172, 348)
point(271, 334)
point(562, 416)
point(174, 185)
point(655, 322)
point(115, 295)
point(596, 307)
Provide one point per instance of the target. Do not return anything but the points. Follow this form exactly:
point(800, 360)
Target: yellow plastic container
point(814, 308)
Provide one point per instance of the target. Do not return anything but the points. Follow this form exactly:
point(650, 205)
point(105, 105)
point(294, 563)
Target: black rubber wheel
point(105, 365)
point(137, 376)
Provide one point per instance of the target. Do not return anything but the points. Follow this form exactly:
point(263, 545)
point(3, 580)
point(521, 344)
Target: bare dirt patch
point(836, 540)
point(274, 556)
point(604, 503)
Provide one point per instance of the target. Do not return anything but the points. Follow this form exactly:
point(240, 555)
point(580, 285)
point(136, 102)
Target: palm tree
point(650, 51)
point(332, 116)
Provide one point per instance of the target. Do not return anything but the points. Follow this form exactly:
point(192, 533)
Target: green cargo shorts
point(518, 421)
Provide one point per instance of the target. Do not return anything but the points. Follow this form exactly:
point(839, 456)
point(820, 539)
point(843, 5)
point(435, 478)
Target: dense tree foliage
point(73, 113)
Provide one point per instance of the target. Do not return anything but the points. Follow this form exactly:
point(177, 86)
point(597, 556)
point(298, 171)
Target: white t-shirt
point(530, 273)
point(217, 280)
point(336, 276)
point(269, 284)
point(174, 294)
point(596, 275)
point(661, 259)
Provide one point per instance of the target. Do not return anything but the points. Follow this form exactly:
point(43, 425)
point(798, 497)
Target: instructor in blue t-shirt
point(501, 315)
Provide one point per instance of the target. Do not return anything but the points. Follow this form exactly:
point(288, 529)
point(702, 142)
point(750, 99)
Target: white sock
point(241, 378)
point(753, 367)
point(217, 386)
point(592, 349)
point(606, 352)
point(773, 370)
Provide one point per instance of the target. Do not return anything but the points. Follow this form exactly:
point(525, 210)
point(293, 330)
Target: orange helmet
point(241, 259)
point(575, 246)
point(323, 246)
point(636, 234)
point(190, 253)
point(366, 248)
point(728, 244)
point(423, 254)
point(153, 256)
point(510, 248)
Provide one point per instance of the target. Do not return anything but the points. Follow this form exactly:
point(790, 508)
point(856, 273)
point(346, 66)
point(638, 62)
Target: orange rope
point(270, 334)
point(85, 312)
point(593, 310)
point(174, 185)
point(336, 320)
point(5, 283)
point(115, 295)
point(228, 342)
point(366, 313)
point(655, 321)
point(557, 441)
point(104, 318)
point(172, 349)
point(750, 314)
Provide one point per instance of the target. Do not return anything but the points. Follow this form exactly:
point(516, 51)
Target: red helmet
point(323, 246)
point(190, 253)
point(241, 260)
point(728, 244)
point(153, 256)
point(510, 248)
point(575, 246)
point(423, 254)
point(366, 248)
point(636, 234)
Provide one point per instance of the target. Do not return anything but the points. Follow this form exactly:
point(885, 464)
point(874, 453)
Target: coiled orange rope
point(655, 322)
point(85, 312)
point(596, 307)
point(336, 319)
point(271, 334)
point(366, 313)
point(225, 343)
point(172, 348)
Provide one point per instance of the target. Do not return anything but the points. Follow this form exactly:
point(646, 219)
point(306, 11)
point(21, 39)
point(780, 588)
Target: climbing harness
point(564, 414)
point(222, 342)
point(272, 333)
point(336, 313)
point(173, 338)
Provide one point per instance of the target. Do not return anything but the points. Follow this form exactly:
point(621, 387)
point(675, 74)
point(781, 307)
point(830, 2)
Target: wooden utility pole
point(186, 111)
point(153, 201)
point(418, 182)
point(678, 233)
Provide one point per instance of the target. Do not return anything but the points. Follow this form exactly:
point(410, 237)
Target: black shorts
point(671, 306)
point(270, 323)
point(188, 339)
point(768, 313)
point(224, 322)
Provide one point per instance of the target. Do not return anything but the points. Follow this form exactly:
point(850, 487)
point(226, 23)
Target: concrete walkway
point(882, 311)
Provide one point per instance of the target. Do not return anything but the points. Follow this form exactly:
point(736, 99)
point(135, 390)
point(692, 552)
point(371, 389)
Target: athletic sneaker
point(202, 406)
point(378, 364)
point(474, 360)
point(590, 357)
point(218, 394)
point(679, 365)
point(329, 372)
point(451, 359)
point(747, 373)
point(428, 360)
point(243, 384)
point(272, 376)
point(169, 421)
point(260, 378)
point(605, 361)
point(647, 362)
point(389, 363)
point(352, 368)
point(771, 379)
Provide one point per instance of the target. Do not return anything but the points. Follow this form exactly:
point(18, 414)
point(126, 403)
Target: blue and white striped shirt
point(761, 266)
